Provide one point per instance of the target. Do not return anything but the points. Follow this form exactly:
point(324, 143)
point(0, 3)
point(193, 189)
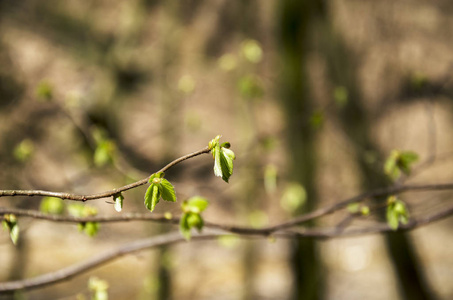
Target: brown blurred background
point(313, 96)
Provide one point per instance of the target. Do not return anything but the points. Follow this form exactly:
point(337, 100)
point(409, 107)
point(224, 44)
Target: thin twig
point(393, 190)
point(96, 261)
point(161, 218)
point(105, 194)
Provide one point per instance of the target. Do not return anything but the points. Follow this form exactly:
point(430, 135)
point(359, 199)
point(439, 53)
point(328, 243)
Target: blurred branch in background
point(172, 238)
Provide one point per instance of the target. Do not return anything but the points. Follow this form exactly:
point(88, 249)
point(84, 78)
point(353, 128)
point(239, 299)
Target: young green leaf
point(152, 196)
point(81, 211)
point(104, 153)
point(167, 190)
point(52, 205)
point(90, 228)
point(195, 221)
point(118, 202)
point(396, 212)
point(399, 161)
point(390, 166)
point(184, 226)
point(217, 163)
point(392, 218)
point(197, 204)
point(10, 223)
point(405, 160)
point(227, 157)
point(191, 217)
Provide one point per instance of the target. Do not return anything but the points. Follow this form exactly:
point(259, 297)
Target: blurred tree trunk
point(355, 122)
point(295, 18)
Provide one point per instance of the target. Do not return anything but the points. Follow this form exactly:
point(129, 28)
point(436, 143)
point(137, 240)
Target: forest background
point(313, 95)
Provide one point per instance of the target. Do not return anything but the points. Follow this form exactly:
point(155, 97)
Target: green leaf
point(195, 221)
point(152, 196)
point(214, 142)
point(91, 228)
point(104, 153)
point(405, 160)
point(14, 234)
point(392, 217)
point(399, 161)
point(396, 212)
point(167, 190)
point(390, 166)
point(118, 202)
point(52, 205)
point(217, 163)
point(81, 211)
point(223, 158)
point(226, 161)
point(195, 204)
point(184, 226)
point(10, 223)
point(191, 217)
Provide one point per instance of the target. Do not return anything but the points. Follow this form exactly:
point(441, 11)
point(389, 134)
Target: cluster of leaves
point(81, 211)
point(104, 153)
point(223, 158)
point(159, 188)
point(56, 206)
point(357, 208)
point(10, 224)
point(396, 212)
point(399, 162)
point(191, 217)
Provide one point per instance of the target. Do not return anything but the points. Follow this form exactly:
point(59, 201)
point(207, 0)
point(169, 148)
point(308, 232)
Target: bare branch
point(393, 190)
point(173, 238)
point(105, 194)
point(96, 261)
point(161, 218)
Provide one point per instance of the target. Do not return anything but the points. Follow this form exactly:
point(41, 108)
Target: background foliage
point(313, 95)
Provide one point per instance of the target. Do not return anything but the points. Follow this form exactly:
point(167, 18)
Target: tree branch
point(105, 194)
point(173, 238)
point(96, 261)
point(393, 190)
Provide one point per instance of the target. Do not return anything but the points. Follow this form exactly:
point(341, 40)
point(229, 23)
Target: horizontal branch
point(393, 190)
point(105, 194)
point(161, 218)
point(173, 238)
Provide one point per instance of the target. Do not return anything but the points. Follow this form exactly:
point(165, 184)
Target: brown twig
point(230, 228)
point(105, 194)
